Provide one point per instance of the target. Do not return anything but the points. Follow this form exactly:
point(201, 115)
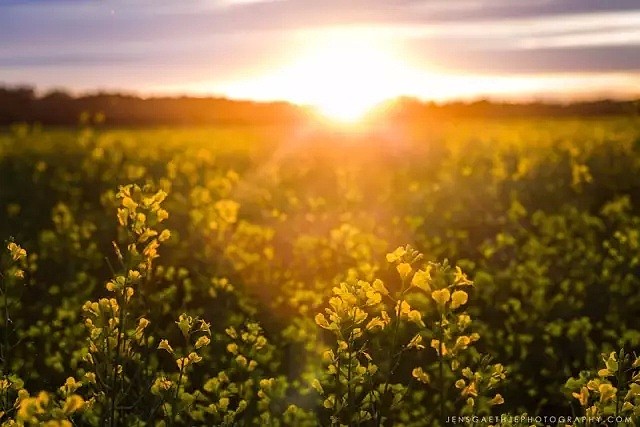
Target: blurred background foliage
point(543, 214)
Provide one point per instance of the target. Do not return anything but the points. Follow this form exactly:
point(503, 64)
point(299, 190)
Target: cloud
point(245, 2)
point(504, 29)
point(63, 42)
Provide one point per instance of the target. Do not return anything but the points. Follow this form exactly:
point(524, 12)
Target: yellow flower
point(396, 255)
point(404, 270)
point(435, 344)
point(162, 215)
point(416, 342)
point(374, 323)
point(458, 298)
point(128, 203)
point(16, 251)
point(497, 400)
point(379, 287)
point(73, 403)
point(321, 321)
point(223, 403)
point(202, 341)
point(328, 355)
point(403, 308)
point(460, 279)
point(373, 297)
point(227, 210)
point(385, 317)
point(470, 390)
point(128, 293)
point(583, 396)
point(415, 317)
point(194, 357)
point(205, 327)
point(231, 331)
point(611, 363)
point(464, 320)
point(134, 276)
point(122, 217)
point(164, 345)
point(232, 348)
point(462, 342)
point(147, 234)
point(422, 279)
point(607, 392)
point(260, 342)
point(317, 386)
point(165, 235)
point(70, 385)
point(143, 323)
point(359, 315)
point(329, 402)
point(90, 377)
point(420, 375)
point(159, 196)
point(160, 384)
point(266, 384)
point(441, 296)
point(241, 360)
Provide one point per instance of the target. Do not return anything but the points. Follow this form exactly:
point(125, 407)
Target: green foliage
point(245, 279)
point(611, 393)
point(375, 332)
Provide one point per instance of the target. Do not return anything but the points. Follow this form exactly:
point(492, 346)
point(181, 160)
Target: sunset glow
point(340, 57)
point(341, 73)
point(345, 77)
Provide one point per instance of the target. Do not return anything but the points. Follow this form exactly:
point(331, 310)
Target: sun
point(344, 77)
point(343, 73)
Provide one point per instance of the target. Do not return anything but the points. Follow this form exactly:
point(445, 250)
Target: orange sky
point(341, 56)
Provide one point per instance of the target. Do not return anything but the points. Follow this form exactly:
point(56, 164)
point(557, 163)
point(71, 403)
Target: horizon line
point(540, 98)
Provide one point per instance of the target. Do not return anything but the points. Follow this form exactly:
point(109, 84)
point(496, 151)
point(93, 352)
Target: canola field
point(471, 272)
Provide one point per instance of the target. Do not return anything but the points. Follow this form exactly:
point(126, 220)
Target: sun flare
point(347, 78)
point(342, 73)
point(352, 75)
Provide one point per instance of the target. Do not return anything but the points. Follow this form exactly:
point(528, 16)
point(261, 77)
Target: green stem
point(116, 362)
point(620, 382)
point(174, 413)
point(441, 369)
point(5, 333)
point(349, 397)
point(396, 328)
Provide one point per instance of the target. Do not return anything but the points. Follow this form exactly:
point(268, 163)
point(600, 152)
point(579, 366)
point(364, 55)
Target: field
point(283, 291)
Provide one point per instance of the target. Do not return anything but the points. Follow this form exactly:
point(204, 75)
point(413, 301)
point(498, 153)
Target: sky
point(314, 52)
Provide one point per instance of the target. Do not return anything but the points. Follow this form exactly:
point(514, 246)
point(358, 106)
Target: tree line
point(23, 104)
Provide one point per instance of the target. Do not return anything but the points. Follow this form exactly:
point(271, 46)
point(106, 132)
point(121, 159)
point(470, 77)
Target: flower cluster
point(614, 390)
point(196, 334)
point(422, 309)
